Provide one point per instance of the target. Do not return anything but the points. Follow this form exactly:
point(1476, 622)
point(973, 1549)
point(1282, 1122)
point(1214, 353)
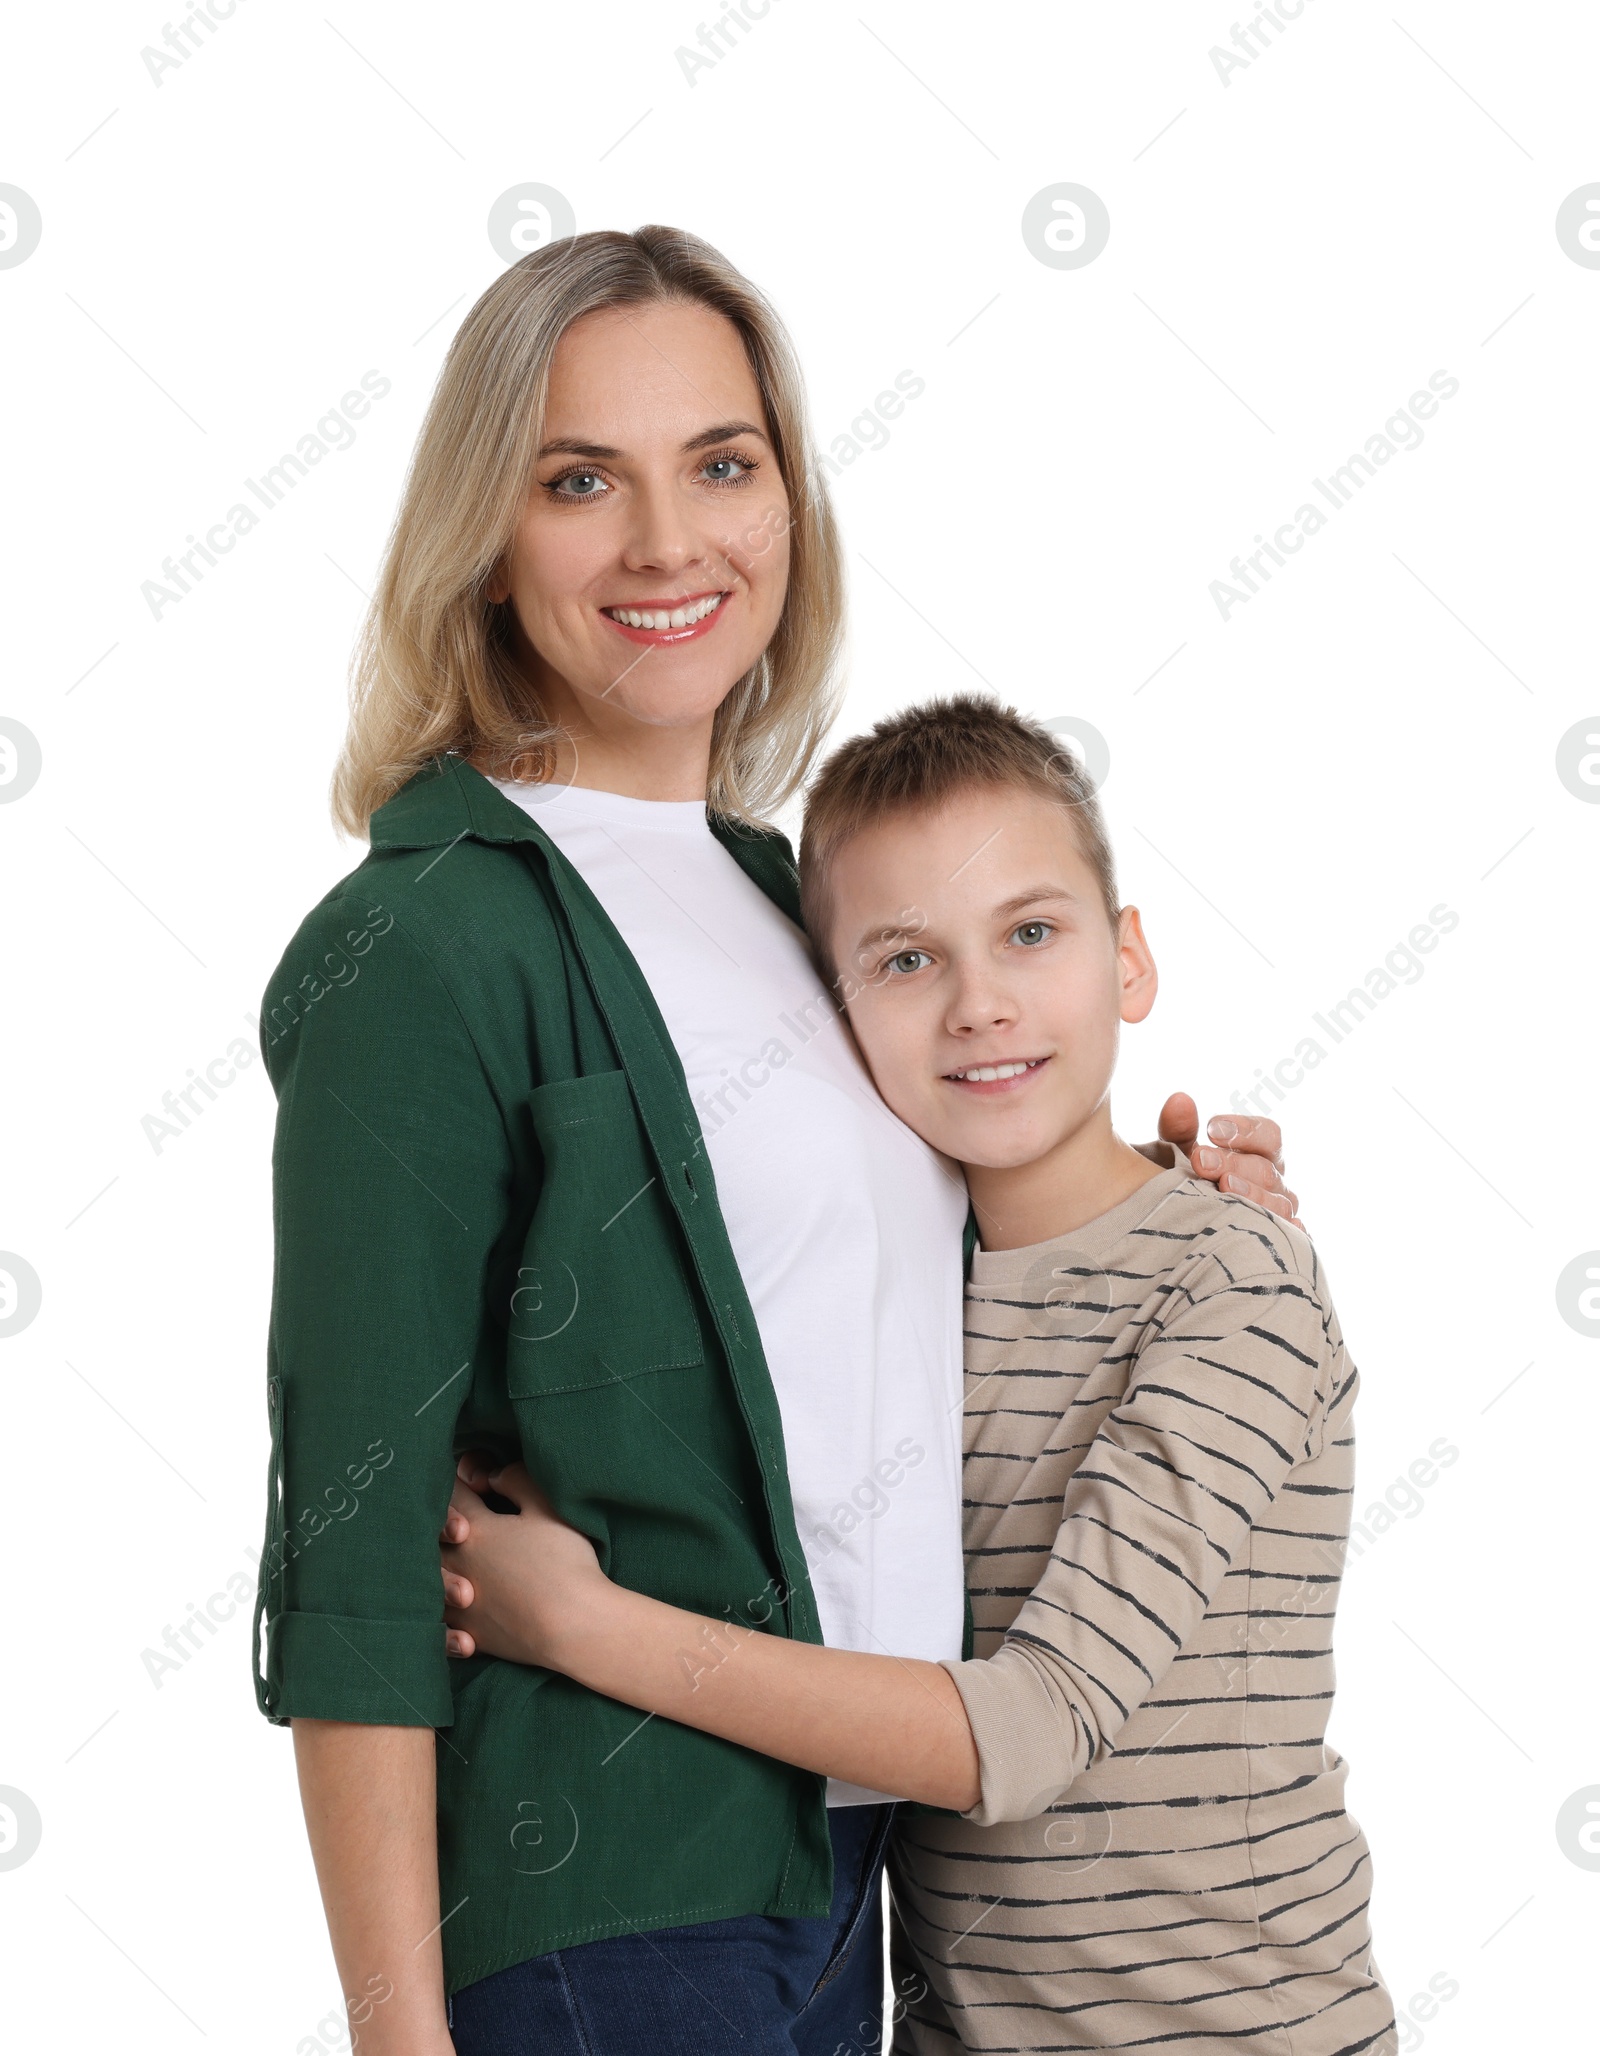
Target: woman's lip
point(989, 1088)
point(670, 635)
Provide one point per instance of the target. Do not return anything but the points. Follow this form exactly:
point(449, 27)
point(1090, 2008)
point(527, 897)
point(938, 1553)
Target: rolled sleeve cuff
point(1025, 1758)
point(324, 1666)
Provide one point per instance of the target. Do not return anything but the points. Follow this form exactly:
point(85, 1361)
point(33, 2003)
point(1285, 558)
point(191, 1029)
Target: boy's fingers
point(458, 1590)
point(457, 1642)
point(465, 1506)
point(1247, 1134)
point(1179, 1121)
point(513, 1483)
point(1264, 1191)
point(1247, 1174)
point(456, 1527)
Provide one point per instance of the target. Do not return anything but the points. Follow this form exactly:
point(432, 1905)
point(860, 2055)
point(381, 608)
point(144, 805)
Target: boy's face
point(975, 937)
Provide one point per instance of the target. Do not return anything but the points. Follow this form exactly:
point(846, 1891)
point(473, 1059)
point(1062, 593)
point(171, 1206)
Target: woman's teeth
point(679, 617)
point(986, 1074)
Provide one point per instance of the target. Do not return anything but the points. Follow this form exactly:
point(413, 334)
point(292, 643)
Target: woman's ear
point(498, 585)
point(1138, 966)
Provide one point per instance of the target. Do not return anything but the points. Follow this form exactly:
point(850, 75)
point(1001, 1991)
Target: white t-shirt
point(845, 1225)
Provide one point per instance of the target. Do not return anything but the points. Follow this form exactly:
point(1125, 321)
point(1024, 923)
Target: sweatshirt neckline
point(1096, 1238)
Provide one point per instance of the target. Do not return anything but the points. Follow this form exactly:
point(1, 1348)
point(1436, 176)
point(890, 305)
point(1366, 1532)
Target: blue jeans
point(753, 1986)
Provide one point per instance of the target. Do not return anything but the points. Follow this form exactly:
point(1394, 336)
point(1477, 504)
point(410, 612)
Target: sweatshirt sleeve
point(1226, 1398)
point(392, 1178)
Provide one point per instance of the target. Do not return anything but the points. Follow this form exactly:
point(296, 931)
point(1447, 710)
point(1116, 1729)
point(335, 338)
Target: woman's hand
point(515, 1584)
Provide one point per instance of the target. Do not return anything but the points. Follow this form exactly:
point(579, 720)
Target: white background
point(1292, 789)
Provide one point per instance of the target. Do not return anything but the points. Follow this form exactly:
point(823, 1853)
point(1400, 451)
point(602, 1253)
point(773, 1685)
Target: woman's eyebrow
point(724, 432)
point(574, 446)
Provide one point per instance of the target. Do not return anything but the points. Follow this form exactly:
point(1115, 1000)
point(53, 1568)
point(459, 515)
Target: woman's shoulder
point(467, 904)
point(442, 920)
point(446, 852)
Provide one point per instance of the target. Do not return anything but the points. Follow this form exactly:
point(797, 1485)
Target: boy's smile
point(986, 985)
point(1004, 1076)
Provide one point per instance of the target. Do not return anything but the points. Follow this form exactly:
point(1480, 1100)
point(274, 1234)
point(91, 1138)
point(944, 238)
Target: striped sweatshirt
point(1157, 1495)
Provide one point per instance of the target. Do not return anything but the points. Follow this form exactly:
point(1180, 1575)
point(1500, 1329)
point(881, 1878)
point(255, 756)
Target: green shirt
point(496, 1227)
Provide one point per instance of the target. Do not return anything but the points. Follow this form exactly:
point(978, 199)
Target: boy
point(1141, 1839)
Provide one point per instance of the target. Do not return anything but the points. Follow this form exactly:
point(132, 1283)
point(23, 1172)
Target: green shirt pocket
point(601, 1293)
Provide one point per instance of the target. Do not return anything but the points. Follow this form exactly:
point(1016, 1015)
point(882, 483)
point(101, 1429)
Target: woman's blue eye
point(579, 484)
point(1031, 933)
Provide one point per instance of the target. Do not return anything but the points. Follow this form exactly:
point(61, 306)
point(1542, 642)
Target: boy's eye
point(1032, 933)
point(905, 961)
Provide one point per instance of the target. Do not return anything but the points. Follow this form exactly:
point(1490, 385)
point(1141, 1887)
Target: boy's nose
point(980, 1006)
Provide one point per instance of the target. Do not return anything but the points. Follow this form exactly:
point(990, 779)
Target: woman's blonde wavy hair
point(435, 670)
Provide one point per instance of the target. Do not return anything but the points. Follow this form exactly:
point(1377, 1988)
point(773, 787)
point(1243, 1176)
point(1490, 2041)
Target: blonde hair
point(436, 670)
point(915, 761)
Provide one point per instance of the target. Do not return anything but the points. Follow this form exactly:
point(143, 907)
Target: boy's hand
point(514, 1584)
point(1248, 1159)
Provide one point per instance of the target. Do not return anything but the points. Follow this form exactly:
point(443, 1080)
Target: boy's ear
point(1139, 980)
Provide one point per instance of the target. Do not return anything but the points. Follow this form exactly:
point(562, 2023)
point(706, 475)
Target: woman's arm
point(530, 1588)
point(390, 1188)
point(367, 1794)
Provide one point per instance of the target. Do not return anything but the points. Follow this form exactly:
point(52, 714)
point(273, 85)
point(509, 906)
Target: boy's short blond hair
point(920, 758)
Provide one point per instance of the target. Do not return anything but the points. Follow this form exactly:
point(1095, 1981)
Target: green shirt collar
point(448, 799)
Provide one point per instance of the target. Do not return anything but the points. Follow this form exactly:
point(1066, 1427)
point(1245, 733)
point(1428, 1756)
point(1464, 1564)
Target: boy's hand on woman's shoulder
point(1241, 1154)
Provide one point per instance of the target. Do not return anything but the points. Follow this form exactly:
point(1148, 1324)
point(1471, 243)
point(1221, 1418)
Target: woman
point(574, 1162)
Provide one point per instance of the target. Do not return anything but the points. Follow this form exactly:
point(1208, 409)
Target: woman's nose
point(664, 534)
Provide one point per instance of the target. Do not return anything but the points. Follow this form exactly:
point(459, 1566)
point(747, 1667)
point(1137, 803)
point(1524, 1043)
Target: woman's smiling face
point(656, 493)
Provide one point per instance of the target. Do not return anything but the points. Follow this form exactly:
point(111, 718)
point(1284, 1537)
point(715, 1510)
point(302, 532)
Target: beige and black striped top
point(1157, 1480)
